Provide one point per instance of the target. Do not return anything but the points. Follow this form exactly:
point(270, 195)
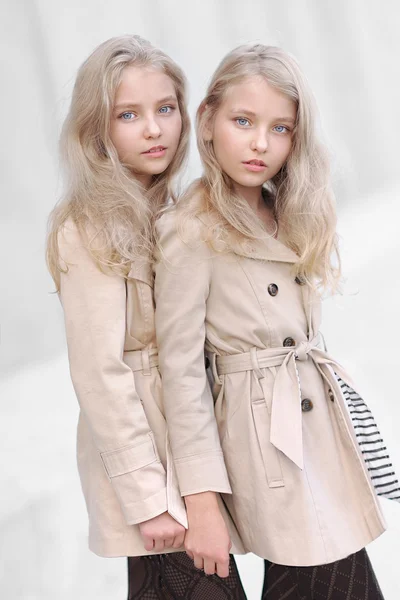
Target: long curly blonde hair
point(102, 196)
point(300, 192)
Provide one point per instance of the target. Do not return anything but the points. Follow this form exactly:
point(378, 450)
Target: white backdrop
point(349, 50)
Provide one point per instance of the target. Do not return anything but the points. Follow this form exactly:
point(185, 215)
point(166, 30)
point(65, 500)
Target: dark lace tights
point(174, 577)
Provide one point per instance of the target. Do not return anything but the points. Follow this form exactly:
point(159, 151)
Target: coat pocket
point(270, 456)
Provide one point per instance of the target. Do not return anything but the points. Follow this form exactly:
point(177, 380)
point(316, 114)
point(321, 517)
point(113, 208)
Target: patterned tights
point(174, 577)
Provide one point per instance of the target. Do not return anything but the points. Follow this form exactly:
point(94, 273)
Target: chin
point(159, 170)
point(156, 170)
point(249, 181)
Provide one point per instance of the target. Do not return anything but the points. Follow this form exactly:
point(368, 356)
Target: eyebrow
point(133, 105)
point(249, 113)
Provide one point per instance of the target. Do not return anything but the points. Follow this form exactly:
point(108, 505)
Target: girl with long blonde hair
point(272, 453)
point(123, 142)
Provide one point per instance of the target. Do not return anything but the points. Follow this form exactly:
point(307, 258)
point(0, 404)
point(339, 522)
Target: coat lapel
point(269, 248)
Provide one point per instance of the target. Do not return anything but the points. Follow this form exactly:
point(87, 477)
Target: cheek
point(122, 139)
point(226, 141)
point(175, 127)
point(115, 137)
point(284, 148)
point(114, 131)
point(229, 136)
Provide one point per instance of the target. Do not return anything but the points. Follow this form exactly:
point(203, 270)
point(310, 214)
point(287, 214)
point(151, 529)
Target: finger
point(209, 567)
point(223, 568)
point(158, 545)
point(178, 541)
point(198, 562)
point(148, 543)
point(169, 542)
point(190, 554)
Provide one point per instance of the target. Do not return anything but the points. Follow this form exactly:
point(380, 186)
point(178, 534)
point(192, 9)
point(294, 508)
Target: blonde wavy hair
point(300, 193)
point(102, 195)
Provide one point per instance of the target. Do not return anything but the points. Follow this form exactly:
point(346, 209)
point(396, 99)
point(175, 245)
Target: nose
point(151, 129)
point(260, 141)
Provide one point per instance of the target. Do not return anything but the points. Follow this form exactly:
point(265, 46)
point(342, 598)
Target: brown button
point(331, 395)
point(273, 289)
point(306, 405)
point(299, 280)
point(288, 342)
point(207, 362)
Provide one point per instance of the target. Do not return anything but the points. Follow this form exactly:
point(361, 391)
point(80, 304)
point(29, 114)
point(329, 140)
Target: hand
point(162, 532)
point(207, 540)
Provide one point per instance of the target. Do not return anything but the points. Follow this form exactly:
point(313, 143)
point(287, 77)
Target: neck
point(254, 198)
point(252, 195)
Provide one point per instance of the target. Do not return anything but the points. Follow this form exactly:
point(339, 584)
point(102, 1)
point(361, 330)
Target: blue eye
point(242, 122)
point(164, 110)
point(281, 129)
point(127, 116)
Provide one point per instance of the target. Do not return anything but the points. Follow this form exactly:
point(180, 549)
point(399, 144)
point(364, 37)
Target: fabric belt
point(286, 414)
point(142, 360)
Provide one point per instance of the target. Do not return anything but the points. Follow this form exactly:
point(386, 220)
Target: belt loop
point(213, 362)
point(254, 363)
point(146, 370)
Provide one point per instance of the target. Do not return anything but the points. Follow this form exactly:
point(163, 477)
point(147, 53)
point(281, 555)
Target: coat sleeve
point(94, 307)
point(183, 275)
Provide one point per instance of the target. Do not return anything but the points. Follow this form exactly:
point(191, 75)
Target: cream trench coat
point(124, 462)
point(279, 431)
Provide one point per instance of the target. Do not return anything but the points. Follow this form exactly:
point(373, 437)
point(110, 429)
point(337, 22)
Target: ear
point(207, 131)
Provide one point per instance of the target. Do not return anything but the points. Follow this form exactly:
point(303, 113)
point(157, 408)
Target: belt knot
point(302, 350)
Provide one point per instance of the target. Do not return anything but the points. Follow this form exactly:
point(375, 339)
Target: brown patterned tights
point(351, 578)
point(174, 577)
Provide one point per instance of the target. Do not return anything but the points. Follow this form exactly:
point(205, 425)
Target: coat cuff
point(202, 473)
point(139, 480)
point(143, 510)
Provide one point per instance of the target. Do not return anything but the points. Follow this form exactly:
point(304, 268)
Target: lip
point(255, 165)
point(155, 151)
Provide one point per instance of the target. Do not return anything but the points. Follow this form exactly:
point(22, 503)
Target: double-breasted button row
point(289, 342)
point(273, 288)
point(272, 291)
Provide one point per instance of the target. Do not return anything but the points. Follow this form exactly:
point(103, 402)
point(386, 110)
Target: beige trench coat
point(124, 462)
point(280, 431)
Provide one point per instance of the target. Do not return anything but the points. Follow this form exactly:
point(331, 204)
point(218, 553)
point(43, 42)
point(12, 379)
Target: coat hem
point(375, 525)
point(106, 548)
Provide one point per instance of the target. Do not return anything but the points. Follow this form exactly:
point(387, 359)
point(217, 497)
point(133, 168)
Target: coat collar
point(268, 248)
point(141, 270)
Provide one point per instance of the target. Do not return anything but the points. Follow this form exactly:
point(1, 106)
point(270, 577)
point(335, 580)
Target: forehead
point(255, 94)
point(143, 84)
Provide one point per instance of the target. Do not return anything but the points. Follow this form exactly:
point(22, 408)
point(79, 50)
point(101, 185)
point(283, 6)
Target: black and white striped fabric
point(372, 446)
